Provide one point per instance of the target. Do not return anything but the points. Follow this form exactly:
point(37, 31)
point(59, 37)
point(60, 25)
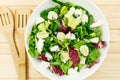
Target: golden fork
point(21, 18)
point(7, 28)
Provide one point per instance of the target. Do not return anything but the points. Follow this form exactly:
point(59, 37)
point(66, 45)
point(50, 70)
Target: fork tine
point(1, 22)
point(20, 21)
point(25, 20)
point(24, 15)
point(6, 18)
point(10, 18)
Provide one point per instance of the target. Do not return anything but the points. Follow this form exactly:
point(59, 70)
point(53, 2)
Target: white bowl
point(84, 73)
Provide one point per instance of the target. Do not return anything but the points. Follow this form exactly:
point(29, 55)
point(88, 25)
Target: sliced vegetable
point(73, 56)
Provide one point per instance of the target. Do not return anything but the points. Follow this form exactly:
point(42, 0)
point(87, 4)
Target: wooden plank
point(114, 48)
point(35, 2)
point(103, 78)
point(107, 70)
point(48, 79)
point(112, 15)
point(111, 11)
point(114, 36)
point(7, 68)
point(113, 23)
point(110, 69)
point(2, 38)
point(107, 2)
point(27, 79)
point(19, 2)
point(4, 49)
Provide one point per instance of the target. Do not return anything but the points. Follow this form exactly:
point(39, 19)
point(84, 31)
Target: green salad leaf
point(32, 50)
point(54, 26)
point(63, 11)
point(93, 56)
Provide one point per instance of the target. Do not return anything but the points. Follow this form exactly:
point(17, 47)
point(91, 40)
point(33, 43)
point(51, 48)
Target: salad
point(65, 38)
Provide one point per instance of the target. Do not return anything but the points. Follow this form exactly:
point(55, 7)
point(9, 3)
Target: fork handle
point(14, 52)
point(22, 57)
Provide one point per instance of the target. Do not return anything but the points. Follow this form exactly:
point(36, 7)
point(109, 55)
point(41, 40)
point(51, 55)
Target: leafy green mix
point(82, 31)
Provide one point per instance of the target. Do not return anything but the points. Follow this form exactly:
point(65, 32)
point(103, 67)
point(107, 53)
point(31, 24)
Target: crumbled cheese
point(94, 40)
point(70, 36)
point(96, 24)
point(39, 20)
point(78, 12)
point(84, 18)
point(83, 60)
point(55, 48)
point(70, 12)
point(48, 56)
point(39, 45)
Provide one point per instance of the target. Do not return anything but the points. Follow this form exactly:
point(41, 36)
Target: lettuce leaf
point(32, 50)
point(93, 56)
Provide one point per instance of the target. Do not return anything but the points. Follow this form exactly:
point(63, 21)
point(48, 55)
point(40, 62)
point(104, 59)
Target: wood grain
point(109, 70)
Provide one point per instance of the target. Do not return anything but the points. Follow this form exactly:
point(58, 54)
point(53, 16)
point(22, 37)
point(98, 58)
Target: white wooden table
point(110, 69)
